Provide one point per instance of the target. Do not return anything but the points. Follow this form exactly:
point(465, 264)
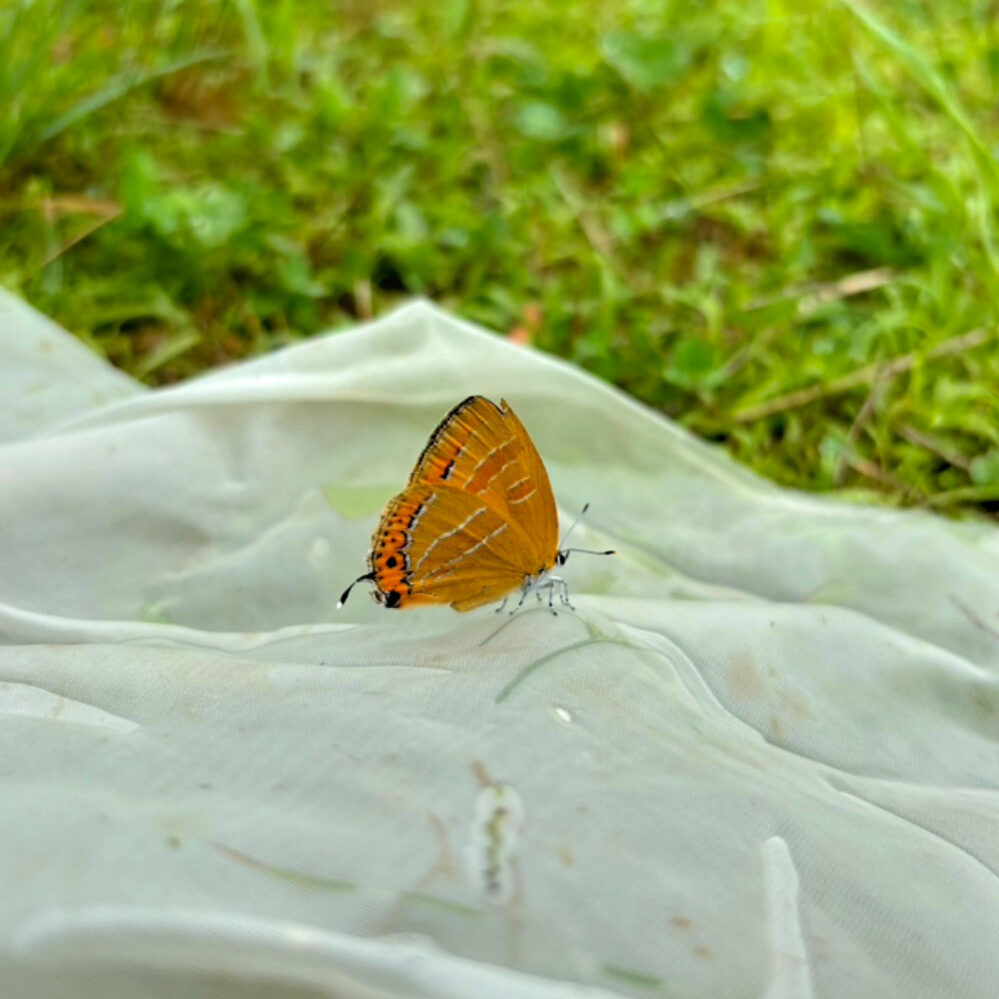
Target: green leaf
point(691, 361)
point(540, 121)
point(984, 468)
point(294, 274)
point(647, 62)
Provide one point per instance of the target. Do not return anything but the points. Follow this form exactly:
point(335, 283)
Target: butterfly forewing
point(483, 449)
point(466, 450)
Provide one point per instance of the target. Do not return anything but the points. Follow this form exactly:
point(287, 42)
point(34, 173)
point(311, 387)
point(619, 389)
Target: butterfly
point(476, 521)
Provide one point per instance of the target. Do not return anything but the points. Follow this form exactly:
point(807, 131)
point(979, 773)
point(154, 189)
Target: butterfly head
point(390, 599)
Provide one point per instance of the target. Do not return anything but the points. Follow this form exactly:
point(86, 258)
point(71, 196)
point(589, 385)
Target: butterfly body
point(476, 521)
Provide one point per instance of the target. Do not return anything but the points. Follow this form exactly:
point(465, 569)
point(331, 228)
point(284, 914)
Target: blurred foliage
point(773, 221)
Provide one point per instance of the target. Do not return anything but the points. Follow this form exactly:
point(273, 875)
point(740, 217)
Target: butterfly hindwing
point(437, 544)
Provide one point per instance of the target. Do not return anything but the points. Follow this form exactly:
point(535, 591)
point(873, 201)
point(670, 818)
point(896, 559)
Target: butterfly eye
point(561, 558)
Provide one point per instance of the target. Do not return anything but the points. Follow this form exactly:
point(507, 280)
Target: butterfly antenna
point(572, 526)
point(346, 592)
point(564, 552)
point(587, 551)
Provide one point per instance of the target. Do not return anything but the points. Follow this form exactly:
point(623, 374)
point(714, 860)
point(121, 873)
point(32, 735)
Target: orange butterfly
point(476, 521)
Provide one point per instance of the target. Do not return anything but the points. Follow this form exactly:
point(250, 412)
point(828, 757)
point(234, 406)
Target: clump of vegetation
point(773, 222)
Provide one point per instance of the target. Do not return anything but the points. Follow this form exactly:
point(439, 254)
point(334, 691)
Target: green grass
point(772, 221)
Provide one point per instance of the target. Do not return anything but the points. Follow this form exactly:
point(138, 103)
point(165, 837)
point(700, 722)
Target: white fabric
point(761, 760)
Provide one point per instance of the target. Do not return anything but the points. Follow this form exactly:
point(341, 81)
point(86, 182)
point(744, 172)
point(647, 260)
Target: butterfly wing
point(483, 449)
point(529, 495)
point(438, 544)
point(477, 518)
point(474, 430)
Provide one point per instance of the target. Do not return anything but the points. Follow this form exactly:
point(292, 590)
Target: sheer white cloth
point(762, 759)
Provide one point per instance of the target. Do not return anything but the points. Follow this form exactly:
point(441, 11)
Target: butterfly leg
point(502, 605)
point(523, 597)
point(563, 590)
